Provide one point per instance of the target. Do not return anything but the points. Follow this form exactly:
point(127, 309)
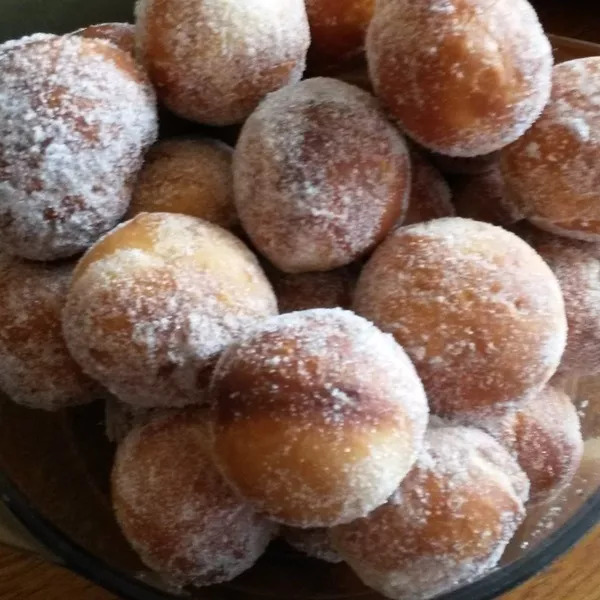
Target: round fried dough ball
point(76, 116)
point(175, 508)
point(213, 61)
point(447, 524)
point(476, 308)
point(430, 195)
point(153, 304)
point(320, 176)
point(552, 170)
point(544, 436)
point(315, 543)
point(484, 197)
point(191, 176)
point(337, 31)
point(121, 35)
point(36, 369)
point(576, 265)
point(318, 416)
point(463, 78)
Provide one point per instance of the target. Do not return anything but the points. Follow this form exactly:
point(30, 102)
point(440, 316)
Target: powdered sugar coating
point(36, 369)
point(320, 176)
point(476, 308)
point(484, 197)
point(552, 171)
point(76, 116)
point(212, 61)
point(154, 303)
point(430, 195)
point(192, 176)
point(462, 77)
point(121, 35)
point(312, 542)
point(577, 267)
point(175, 508)
point(318, 416)
point(448, 523)
point(543, 434)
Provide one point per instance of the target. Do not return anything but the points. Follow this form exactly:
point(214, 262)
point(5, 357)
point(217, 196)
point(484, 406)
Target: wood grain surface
point(574, 577)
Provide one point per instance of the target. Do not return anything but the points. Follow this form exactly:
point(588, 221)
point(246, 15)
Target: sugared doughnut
point(76, 115)
point(337, 31)
point(121, 35)
point(484, 197)
point(552, 170)
point(153, 303)
point(318, 416)
point(312, 542)
point(577, 267)
point(303, 291)
point(544, 436)
point(429, 194)
point(175, 508)
point(457, 165)
point(212, 61)
point(448, 523)
point(36, 370)
point(463, 78)
point(191, 176)
point(478, 311)
point(320, 175)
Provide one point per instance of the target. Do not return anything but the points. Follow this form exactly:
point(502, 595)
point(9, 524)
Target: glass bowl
point(54, 468)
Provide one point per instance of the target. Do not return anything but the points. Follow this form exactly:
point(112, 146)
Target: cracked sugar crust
point(76, 116)
point(551, 172)
point(475, 307)
point(320, 175)
point(318, 415)
point(36, 369)
point(175, 508)
point(213, 61)
point(154, 303)
point(461, 77)
point(448, 523)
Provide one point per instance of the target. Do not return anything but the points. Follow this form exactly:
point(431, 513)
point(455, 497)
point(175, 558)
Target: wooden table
point(574, 577)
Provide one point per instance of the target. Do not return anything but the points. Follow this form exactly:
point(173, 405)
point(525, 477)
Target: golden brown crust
point(551, 171)
point(465, 299)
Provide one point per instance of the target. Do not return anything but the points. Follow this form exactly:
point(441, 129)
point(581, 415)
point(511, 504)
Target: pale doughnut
point(476, 308)
point(484, 197)
point(212, 61)
point(36, 369)
point(448, 523)
point(461, 77)
point(121, 35)
point(76, 115)
point(577, 267)
point(337, 31)
point(318, 416)
point(154, 302)
point(191, 176)
point(430, 195)
point(552, 171)
point(176, 510)
point(320, 176)
point(315, 543)
point(543, 434)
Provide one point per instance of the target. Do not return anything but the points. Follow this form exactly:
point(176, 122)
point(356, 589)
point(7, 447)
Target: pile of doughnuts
point(295, 335)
